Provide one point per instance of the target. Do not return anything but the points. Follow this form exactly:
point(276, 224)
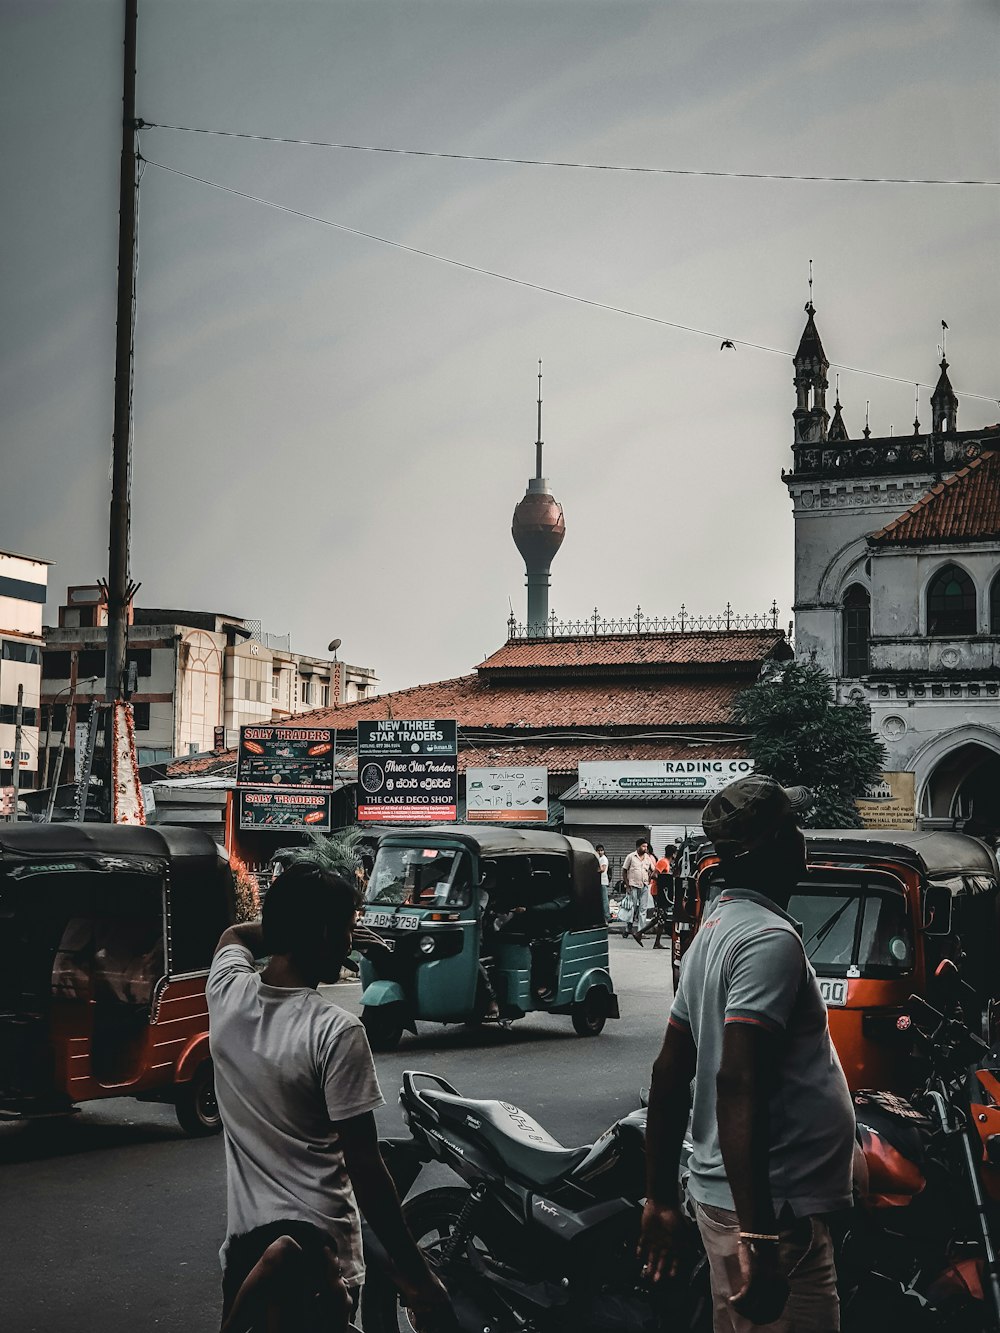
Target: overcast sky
point(331, 435)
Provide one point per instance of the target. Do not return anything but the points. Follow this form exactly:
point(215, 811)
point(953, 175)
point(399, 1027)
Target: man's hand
point(659, 1240)
point(429, 1306)
point(764, 1290)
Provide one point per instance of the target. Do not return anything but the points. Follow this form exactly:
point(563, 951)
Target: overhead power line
point(551, 162)
point(532, 286)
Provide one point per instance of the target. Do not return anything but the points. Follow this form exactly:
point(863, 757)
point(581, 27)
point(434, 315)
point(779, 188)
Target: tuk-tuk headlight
point(426, 944)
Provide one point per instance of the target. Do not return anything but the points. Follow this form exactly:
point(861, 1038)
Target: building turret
point(944, 404)
point(810, 415)
point(838, 430)
point(538, 529)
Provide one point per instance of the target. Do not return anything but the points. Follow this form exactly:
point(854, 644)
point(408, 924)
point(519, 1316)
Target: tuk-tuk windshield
point(420, 877)
point(854, 925)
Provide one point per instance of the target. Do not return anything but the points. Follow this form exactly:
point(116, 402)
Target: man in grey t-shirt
point(773, 1122)
point(297, 1092)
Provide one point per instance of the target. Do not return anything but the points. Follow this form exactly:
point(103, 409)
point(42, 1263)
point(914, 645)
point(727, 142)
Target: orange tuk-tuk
point(106, 935)
point(879, 912)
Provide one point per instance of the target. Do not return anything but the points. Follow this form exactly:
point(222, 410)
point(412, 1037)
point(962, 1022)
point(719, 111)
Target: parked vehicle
point(920, 1248)
point(106, 935)
point(469, 916)
point(538, 1238)
point(879, 911)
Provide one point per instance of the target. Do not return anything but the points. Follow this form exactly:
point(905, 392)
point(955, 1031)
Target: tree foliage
point(801, 735)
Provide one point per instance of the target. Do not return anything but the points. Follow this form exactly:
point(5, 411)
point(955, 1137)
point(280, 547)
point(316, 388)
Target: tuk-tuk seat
point(527, 1149)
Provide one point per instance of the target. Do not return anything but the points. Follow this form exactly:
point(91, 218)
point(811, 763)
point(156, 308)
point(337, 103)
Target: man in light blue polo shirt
point(773, 1120)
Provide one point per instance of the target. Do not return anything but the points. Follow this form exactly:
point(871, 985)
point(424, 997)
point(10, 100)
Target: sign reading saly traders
point(407, 771)
point(285, 757)
point(671, 779)
point(269, 807)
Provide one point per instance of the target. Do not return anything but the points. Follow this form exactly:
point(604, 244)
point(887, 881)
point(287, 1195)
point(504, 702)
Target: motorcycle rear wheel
point(431, 1218)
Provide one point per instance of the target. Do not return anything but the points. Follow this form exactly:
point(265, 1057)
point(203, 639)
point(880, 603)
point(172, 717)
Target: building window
point(324, 696)
point(276, 685)
point(951, 603)
point(140, 713)
point(8, 714)
point(143, 659)
point(307, 691)
point(14, 650)
point(995, 606)
point(857, 630)
point(92, 662)
point(56, 666)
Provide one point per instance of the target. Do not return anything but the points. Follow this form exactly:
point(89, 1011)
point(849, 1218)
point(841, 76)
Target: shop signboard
point(663, 779)
point(889, 803)
point(507, 795)
point(407, 771)
point(280, 807)
point(285, 757)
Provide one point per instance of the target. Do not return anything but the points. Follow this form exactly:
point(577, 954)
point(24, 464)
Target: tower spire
point(811, 365)
point(538, 442)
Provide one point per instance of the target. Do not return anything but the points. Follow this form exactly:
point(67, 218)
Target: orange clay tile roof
point(692, 651)
point(963, 507)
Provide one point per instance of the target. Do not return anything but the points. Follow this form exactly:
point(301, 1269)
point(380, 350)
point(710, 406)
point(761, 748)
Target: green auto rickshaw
point(475, 924)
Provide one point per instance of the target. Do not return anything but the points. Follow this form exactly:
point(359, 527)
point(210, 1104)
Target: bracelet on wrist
point(760, 1235)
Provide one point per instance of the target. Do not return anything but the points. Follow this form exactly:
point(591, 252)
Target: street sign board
point(407, 771)
point(890, 803)
point(507, 795)
point(666, 779)
point(285, 757)
point(263, 807)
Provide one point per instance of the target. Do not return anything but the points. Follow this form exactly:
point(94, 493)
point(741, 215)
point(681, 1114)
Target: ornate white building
point(897, 586)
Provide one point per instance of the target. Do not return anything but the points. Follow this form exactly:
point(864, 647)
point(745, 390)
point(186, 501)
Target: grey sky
point(331, 435)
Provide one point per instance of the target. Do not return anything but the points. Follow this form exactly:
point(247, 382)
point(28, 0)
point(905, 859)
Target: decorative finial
point(867, 430)
point(810, 283)
point(944, 341)
point(916, 409)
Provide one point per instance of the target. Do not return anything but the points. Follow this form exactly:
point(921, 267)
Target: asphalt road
point(110, 1222)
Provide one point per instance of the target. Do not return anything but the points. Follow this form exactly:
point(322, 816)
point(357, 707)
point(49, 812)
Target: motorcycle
point(539, 1238)
point(919, 1245)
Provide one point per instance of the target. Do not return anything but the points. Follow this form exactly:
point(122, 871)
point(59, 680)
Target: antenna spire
point(810, 282)
point(538, 442)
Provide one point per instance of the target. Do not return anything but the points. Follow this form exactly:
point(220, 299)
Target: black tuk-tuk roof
point(954, 860)
point(488, 840)
point(200, 898)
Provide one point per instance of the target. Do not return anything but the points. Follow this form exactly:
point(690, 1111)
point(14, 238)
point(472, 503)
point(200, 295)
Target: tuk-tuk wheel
point(197, 1109)
point(384, 1026)
point(591, 1013)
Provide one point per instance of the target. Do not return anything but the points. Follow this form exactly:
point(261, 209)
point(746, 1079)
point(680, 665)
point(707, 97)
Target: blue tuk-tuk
point(476, 923)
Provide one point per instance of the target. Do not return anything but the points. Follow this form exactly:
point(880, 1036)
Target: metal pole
point(48, 742)
point(16, 765)
point(60, 757)
point(118, 571)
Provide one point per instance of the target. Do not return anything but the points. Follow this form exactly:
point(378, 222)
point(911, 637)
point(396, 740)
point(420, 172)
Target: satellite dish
point(333, 645)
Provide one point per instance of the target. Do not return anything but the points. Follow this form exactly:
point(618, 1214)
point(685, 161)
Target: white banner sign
point(507, 795)
point(665, 779)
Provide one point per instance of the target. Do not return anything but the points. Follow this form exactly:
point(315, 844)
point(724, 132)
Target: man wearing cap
point(773, 1122)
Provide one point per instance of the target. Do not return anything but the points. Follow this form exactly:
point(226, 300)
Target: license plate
point(385, 920)
point(834, 992)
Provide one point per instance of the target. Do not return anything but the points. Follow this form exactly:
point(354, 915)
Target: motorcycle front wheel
point(431, 1218)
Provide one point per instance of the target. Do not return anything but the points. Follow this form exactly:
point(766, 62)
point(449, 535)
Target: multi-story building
point(23, 585)
point(197, 676)
point(897, 589)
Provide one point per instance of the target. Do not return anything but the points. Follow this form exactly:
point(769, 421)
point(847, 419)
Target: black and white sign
point(407, 771)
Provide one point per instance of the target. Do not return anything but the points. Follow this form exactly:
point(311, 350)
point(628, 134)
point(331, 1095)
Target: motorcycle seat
point(521, 1144)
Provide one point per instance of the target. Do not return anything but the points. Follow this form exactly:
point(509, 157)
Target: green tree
point(801, 735)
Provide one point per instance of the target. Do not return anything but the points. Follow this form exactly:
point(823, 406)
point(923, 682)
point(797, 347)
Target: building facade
point(897, 587)
point(23, 589)
point(194, 672)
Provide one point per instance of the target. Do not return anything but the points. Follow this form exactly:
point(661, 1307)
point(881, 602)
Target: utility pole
point(16, 765)
point(118, 570)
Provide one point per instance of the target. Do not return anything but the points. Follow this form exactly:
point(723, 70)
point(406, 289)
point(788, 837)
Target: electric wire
point(536, 286)
point(570, 165)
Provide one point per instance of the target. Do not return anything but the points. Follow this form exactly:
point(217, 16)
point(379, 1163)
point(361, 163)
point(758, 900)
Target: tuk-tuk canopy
point(487, 842)
point(199, 889)
point(953, 861)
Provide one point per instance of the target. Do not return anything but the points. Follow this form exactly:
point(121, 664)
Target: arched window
point(995, 606)
point(857, 630)
point(951, 603)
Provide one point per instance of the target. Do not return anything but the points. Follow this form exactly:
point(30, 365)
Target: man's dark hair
point(670, 849)
point(302, 904)
point(599, 847)
point(640, 841)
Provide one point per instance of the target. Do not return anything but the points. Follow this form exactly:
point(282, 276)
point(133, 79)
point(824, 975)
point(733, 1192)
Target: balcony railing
point(639, 623)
